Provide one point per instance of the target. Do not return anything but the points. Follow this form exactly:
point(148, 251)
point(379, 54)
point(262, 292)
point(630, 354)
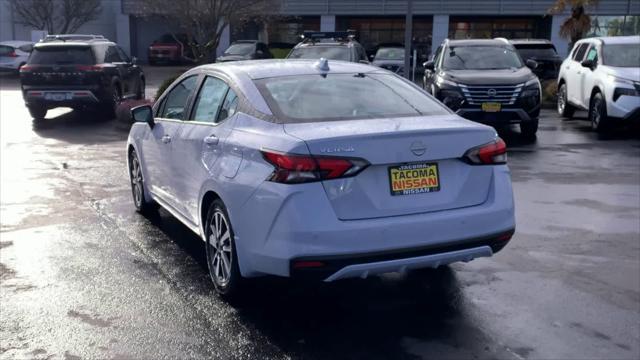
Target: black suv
point(245, 50)
point(340, 45)
point(543, 52)
point(485, 81)
point(80, 74)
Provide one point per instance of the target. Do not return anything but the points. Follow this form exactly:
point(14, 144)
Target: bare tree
point(578, 24)
point(56, 16)
point(204, 21)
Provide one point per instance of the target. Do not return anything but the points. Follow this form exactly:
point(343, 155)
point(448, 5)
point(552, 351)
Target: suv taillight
point(493, 153)
point(294, 169)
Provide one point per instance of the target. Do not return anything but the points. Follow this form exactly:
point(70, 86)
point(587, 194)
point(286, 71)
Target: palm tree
point(579, 23)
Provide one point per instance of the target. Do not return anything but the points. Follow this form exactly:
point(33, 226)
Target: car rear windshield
point(537, 51)
point(621, 55)
point(481, 58)
point(313, 98)
point(62, 55)
point(322, 51)
point(240, 49)
point(390, 54)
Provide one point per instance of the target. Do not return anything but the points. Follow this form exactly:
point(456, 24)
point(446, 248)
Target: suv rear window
point(315, 98)
point(537, 51)
point(62, 55)
point(321, 51)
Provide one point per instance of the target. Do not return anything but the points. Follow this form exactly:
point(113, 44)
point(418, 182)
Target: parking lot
point(83, 275)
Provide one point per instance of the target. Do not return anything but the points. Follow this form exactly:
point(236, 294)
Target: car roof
point(529, 41)
point(15, 43)
point(71, 43)
point(478, 42)
point(260, 69)
point(635, 39)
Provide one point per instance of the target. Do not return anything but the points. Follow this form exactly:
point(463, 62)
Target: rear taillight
point(493, 153)
point(293, 169)
point(27, 68)
point(12, 54)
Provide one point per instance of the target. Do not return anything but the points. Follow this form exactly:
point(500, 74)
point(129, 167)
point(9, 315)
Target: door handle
point(211, 140)
point(166, 139)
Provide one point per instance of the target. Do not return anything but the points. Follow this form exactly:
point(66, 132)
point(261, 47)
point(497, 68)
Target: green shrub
point(166, 83)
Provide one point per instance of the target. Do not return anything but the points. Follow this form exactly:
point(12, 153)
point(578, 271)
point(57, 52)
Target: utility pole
point(408, 34)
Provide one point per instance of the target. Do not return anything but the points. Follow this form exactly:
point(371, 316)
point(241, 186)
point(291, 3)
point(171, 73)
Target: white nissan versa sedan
point(319, 169)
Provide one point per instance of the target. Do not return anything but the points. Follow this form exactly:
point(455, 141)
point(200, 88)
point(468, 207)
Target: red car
point(170, 49)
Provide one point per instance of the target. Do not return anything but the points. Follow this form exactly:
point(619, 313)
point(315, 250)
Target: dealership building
point(376, 22)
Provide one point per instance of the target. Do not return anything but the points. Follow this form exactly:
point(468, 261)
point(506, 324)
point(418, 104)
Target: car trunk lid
point(426, 147)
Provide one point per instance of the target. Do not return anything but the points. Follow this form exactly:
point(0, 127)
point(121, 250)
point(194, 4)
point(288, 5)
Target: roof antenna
point(322, 64)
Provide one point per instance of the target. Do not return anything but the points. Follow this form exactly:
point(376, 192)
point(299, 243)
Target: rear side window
point(311, 98)
point(580, 51)
point(62, 55)
point(5, 50)
point(175, 103)
point(209, 100)
point(592, 54)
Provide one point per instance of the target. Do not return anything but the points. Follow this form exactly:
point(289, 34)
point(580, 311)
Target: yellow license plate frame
point(491, 107)
point(413, 179)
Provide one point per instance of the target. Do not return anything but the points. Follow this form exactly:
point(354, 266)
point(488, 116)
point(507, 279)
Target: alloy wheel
point(220, 255)
point(136, 180)
point(596, 113)
point(562, 100)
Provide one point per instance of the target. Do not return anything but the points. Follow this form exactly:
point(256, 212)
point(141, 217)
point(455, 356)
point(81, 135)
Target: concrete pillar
point(123, 32)
point(328, 23)
point(440, 31)
point(561, 44)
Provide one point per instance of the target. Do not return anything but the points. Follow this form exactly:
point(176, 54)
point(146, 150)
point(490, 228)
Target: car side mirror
point(429, 65)
point(588, 64)
point(531, 64)
point(143, 113)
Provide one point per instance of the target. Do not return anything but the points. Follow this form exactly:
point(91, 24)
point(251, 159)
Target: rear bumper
point(362, 265)
point(62, 96)
point(280, 224)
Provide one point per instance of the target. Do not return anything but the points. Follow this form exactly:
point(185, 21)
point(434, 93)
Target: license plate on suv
point(410, 179)
point(491, 107)
point(57, 96)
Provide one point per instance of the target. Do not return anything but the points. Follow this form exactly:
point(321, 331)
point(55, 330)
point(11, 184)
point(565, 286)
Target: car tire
point(140, 94)
point(529, 128)
point(37, 112)
point(222, 257)
point(565, 109)
point(598, 113)
point(110, 105)
point(142, 204)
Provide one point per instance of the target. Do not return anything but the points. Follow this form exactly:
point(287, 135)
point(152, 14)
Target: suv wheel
point(564, 108)
point(598, 113)
point(37, 112)
point(109, 107)
point(222, 258)
point(141, 90)
point(529, 128)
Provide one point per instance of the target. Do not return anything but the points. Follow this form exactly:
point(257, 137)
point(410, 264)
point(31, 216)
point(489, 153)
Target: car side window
point(579, 55)
point(176, 101)
point(209, 100)
point(123, 55)
point(592, 54)
point(229, 107)
point(112, 55)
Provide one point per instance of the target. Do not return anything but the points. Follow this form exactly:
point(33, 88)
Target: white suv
point(602, 75)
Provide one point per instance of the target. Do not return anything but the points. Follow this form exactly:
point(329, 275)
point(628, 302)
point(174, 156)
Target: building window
point(614, 25)
point(375, 30)
point(492, 27)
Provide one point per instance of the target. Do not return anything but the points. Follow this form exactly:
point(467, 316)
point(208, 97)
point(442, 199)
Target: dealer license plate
point(491, 107)
point(410, 179)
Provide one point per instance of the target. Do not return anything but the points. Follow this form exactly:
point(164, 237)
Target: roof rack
point(313, 36)
point(73, 37)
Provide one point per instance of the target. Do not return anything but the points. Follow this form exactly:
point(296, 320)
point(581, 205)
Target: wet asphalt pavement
point(84, 276)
